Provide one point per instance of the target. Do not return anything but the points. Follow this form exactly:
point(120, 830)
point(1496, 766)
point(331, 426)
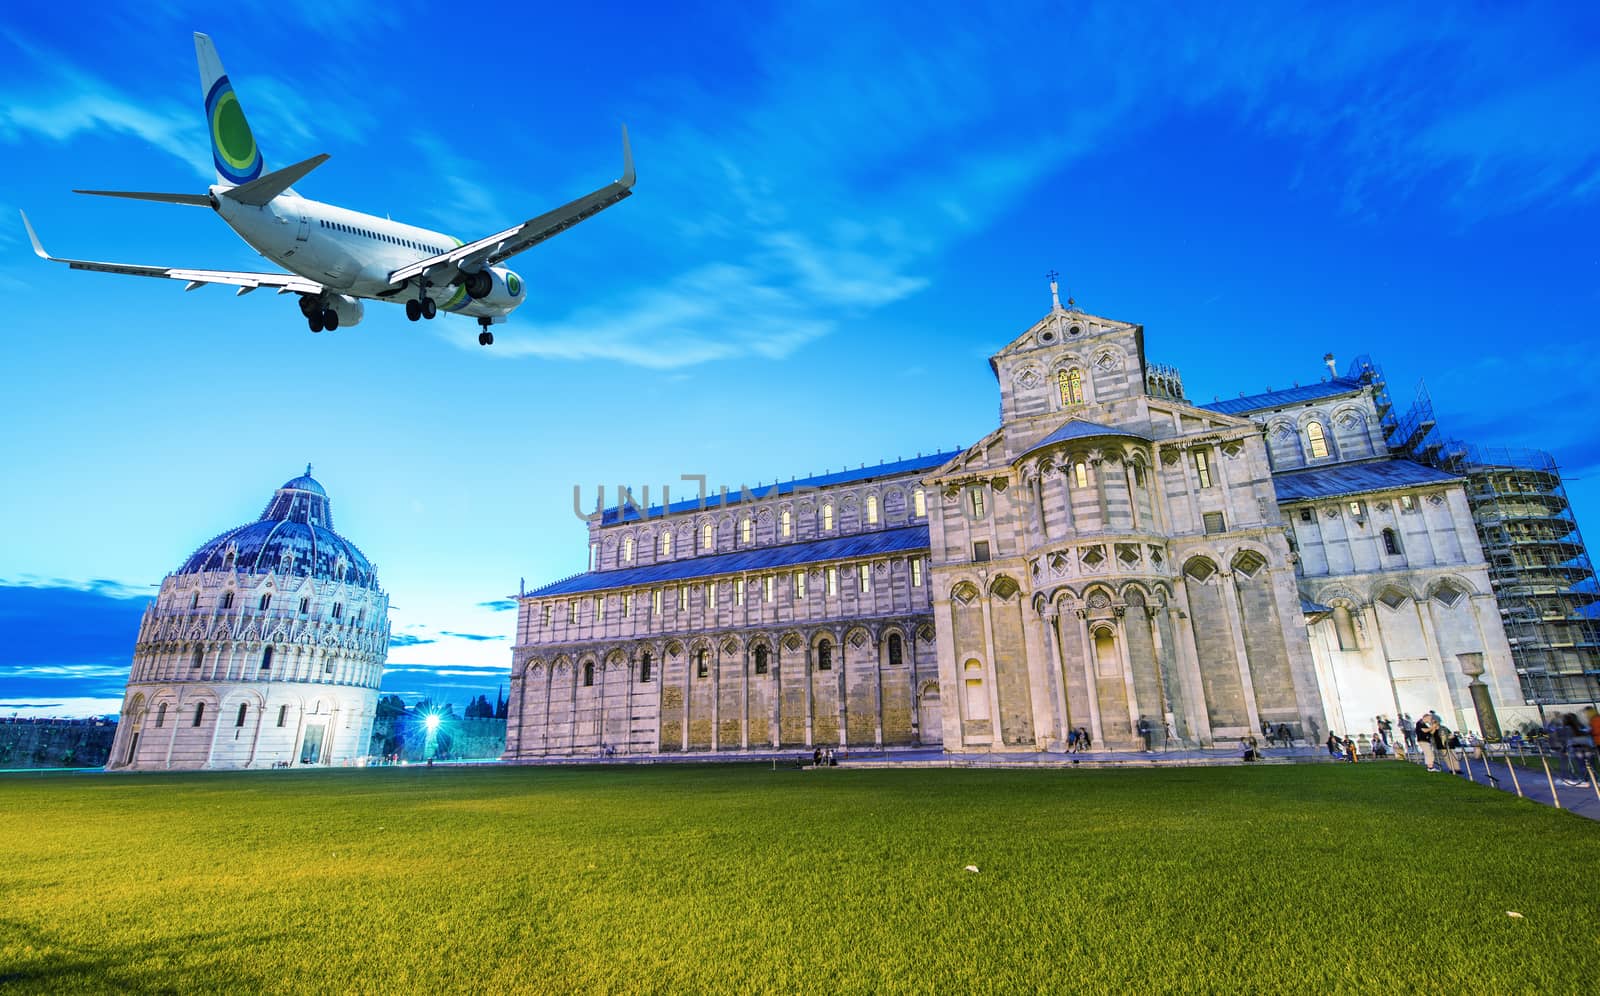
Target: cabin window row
point(365, 233)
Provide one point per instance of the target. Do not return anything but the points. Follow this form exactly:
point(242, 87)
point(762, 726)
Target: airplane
point(336, 257)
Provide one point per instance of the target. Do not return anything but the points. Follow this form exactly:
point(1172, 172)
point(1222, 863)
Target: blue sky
point(839, 215)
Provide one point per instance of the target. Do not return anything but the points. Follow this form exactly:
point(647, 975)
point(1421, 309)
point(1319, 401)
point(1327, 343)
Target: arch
point(1248, 562)
point(1199, 569)
point(701, 657)
point(1391, 595)
point(1391, 542)
point(761, 657)
point(894, 649)
point(964, 592)
point(588, 674)
point(1004, 587)
point(534, 667)
point(1448, 590)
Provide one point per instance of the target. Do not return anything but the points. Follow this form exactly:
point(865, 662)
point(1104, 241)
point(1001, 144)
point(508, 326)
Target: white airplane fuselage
point(354, 253)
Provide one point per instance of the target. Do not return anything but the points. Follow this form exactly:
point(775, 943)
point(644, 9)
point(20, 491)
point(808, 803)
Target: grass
point(739, 878)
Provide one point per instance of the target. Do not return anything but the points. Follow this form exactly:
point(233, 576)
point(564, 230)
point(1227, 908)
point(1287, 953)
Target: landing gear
point(485, 337)
point(413, 310)
point(330, 319)
point(315, 321)
point(429, 308)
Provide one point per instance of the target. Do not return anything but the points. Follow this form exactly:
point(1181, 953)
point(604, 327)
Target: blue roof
point(1355, 478)
point(1288, 396)
point(611, 516)
point(294, 536)
point(1078, 428)
point(789, 555)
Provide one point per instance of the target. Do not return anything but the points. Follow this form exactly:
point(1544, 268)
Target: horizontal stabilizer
point(198, 200)
point(264, 188)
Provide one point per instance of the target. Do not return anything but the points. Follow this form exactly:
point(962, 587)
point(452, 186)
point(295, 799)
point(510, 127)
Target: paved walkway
point(1529, 780)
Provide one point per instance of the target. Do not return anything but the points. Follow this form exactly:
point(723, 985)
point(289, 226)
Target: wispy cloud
point(499, 605)
point(61, 101)
point(408, 640)
point(475, 637)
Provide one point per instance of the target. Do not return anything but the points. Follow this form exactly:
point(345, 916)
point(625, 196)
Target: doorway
point(311, 746)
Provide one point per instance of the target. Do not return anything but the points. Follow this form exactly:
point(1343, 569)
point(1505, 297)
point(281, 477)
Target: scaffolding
point(1538, 565)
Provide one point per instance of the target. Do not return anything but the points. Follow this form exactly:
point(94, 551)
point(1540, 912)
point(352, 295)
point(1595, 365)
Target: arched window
point(588, 674)
point(1319, 442)
point(1071, 384)
point(199, 713)
point(896, 651)
point(977, 698)
point(198, 659)
point(227, 599)
point(266, 659)
point(827, 516)
point(244, 707)
point(919, 503)
point(644, 666)
point(283, 715)
point(666, 542)
point(708, 537)
point(872, 510)
point(746, 530)
point(1391, 543)
point(627, 549)
point(194, 601)
point(1080, 473)
point(266, 600)
point(702, 663)
point(1344, 626)
point(787, 520)
point(761, 660)
point(161, 715)
point(824, 656)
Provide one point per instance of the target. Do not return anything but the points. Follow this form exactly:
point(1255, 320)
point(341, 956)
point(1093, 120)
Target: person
point(1408, 731)
point(1335, 745)
point(1593, 716)
point(833, 762)
point(1380, 748)
point(1247, 745)
point(1284, 736)
point(1072, 741)
point(816, 758)
point(1144, 733)
point(1442, 744)
point(1349, 751)
point(1424, 738)
point(1084, 738)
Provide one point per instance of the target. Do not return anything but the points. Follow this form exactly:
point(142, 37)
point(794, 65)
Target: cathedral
point(1111, 558)
point(264, 649)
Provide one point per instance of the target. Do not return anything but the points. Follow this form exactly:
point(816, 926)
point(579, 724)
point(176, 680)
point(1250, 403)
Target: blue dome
point(294, 536)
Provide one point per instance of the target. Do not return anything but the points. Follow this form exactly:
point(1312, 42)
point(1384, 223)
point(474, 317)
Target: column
point(810, 705)
point(1091, 681)
point(1058, 693)
point(1127, 670)
point(997, 734)
point(1236, 630)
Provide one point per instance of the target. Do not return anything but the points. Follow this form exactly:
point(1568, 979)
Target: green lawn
point(738, 878)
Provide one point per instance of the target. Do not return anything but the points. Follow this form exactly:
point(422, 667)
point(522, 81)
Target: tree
point(501, 705)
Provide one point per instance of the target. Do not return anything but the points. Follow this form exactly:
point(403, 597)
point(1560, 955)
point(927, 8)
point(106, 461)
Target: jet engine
point(318, 309)
point(496, 287)
point(348, 308)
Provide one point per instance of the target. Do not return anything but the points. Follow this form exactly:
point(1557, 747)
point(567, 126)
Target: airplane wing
point(495, 249)
point(246, 282)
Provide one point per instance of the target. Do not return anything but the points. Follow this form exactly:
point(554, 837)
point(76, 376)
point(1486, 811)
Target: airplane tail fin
point(233, 146)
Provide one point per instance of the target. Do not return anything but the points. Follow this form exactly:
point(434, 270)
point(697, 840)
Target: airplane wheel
point(483, 338)
point(330, 319)
point(315, 321)
point(488, 338)
point(429, 308)
point(413, 310)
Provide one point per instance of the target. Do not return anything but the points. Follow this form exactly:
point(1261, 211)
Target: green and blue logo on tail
point(233, 147)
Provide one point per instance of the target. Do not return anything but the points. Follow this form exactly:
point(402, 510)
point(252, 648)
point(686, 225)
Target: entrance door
point(133, 747)
point(305, 229)
point(311, 746)
point(930, 718)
